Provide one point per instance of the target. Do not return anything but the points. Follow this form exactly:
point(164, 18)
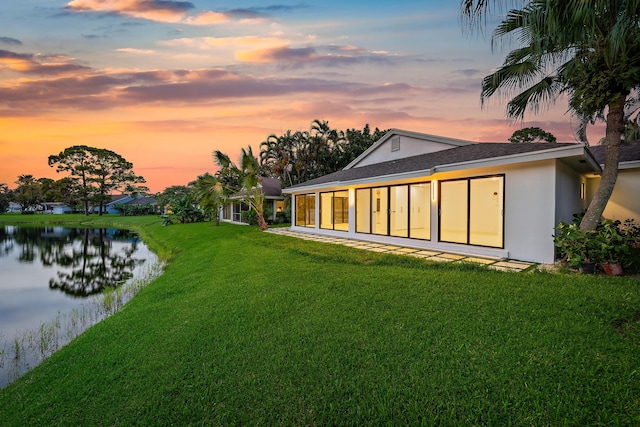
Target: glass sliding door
point(326, 210)
point(485, 211)
point(311, 210)
point(341, 210)
point(363, 210)
point(399, 211)
point(420, 211)
point(306, 210)
point(454, 208)
point(380, 210)
point(301, 210)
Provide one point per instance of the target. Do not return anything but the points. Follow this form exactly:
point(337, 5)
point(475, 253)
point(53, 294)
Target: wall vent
point(395, 143)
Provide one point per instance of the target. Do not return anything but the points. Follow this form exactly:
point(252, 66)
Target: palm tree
point(243, 181)
point(588, 50)
point(209, 194)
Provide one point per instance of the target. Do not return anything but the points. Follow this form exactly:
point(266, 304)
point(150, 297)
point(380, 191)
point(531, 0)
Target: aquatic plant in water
point(29, 348)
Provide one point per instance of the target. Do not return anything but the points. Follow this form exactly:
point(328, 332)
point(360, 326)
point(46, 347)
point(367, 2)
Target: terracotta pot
point(612, 269)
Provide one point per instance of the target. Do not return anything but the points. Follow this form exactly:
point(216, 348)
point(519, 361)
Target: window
point(471, 211)
point(380, 210)
point(306, 210)
point(334, 210)
point(420, 211)
point(399, 210)
point(363, 210)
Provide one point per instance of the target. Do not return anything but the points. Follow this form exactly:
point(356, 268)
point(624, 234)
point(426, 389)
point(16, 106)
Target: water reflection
point(84, 259)
point(53, 284)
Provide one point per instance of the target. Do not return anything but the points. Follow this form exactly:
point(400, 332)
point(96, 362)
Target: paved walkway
point(498, 264)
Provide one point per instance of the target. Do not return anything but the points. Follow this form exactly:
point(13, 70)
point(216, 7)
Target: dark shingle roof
point(629, 151)
point(479, 151)
point(143, 201)
point(271, 186)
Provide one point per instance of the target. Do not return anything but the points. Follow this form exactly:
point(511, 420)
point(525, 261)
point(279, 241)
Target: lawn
point(246, 327)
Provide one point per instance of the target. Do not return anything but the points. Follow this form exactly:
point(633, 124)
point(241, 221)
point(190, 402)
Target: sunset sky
point(164, 83)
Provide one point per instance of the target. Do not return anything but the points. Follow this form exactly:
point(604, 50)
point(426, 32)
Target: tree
point(588, 50)
point(244, 181)
point(111, 172)
point(96, 172)
point(5, 198)
point(28, 194)
point(209, 194)
point(300, 156)
point(170, 196)
point(532, 134)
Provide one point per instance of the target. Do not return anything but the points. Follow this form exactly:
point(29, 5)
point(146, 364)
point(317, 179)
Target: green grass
point(252, 328)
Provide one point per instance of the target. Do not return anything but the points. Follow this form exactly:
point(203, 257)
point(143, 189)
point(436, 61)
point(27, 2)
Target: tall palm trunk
point(615, 129)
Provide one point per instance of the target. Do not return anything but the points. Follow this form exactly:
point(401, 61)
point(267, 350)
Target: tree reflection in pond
point(51, 287)
point(83, 258)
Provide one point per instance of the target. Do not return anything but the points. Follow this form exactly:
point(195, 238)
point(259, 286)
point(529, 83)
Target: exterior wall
point(570, 199)
point(408, 147)
point(529, 211)
point(625, 200)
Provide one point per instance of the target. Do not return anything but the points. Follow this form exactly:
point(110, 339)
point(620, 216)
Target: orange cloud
point(154, 10)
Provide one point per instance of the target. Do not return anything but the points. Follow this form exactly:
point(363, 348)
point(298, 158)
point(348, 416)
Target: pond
point(57, 281)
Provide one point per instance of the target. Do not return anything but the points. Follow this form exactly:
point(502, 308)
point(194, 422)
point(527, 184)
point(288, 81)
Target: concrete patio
point(497, 264)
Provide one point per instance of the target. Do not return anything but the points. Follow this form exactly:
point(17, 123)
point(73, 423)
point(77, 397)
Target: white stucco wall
point(625, 200)
point(408, 147)
point(530, 211)
point(537, 196)
point(568, 197)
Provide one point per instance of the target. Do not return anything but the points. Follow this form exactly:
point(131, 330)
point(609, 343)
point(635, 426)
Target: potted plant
point(611, 245)
point(576, 246)
point(614, 245)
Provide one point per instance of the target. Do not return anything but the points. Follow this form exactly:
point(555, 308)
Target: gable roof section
point(629, 154)
point(271, 188)
point(416, 135)
point(455, 158)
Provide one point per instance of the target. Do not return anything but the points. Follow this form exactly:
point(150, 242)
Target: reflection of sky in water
point(26, 301)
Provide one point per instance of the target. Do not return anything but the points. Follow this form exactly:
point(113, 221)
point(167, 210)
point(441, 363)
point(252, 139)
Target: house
point(625, 200)
point(144, 200)
point(110, 206)
point(274, 202)
point(485, 199)
point(56, 208)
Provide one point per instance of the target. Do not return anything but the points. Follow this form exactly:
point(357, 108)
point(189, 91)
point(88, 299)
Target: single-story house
point(497, 200)
point(125, 199)
point(56, 208)
point(274, 202)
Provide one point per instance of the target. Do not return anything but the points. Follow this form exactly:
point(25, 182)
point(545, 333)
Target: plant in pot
point(576, 246)
point(615, 243)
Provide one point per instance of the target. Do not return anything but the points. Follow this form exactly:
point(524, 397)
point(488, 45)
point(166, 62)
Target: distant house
point(14, 207)
point(124, 199)
point(56, 208)
point(485, 199)
point(274, 202)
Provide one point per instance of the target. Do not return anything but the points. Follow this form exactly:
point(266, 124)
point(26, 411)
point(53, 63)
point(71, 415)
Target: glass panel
point(453, 211)
point(326, 200)
point(399, 211)
point(363, 210)
point(380, 210)
point(300, 210)
point(311, 210)
point(341, 210)
point(420, 226)
point(485, 212)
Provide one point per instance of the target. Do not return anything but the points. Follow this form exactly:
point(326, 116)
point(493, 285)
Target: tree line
point(292, 157)
point(92, 175)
